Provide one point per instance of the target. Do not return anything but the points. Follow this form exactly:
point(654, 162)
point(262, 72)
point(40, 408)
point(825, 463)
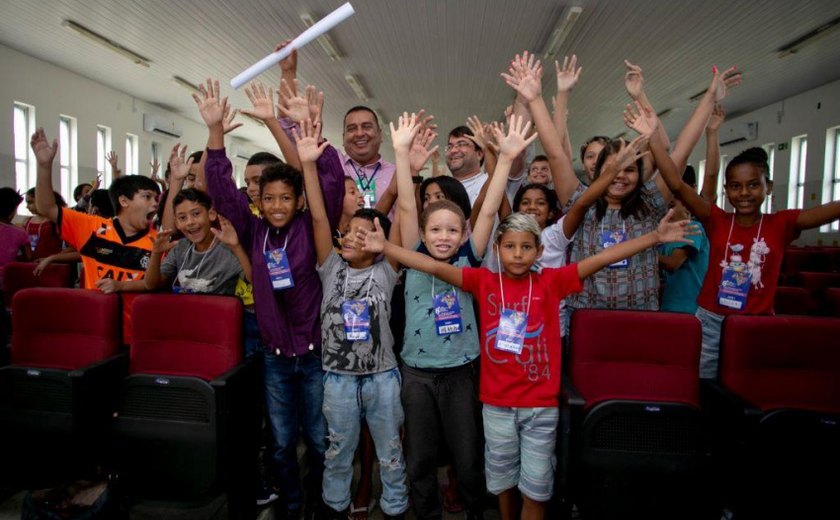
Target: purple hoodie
point(289, 319)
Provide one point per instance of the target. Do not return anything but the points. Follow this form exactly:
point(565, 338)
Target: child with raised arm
point(287, 293)
point(746, 246)
point(520, 347)
point(362, 380)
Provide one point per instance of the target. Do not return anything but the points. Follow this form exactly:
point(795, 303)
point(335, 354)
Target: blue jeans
point(252, 334)
point(294, 395)
point(710, 351)
point(348, 400)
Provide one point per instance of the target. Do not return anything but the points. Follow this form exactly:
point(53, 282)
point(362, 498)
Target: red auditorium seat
point(832, 299)
point(778, 412)
point(634, 414)
point(19, 275)
point(794, 301)
point(58, 393)
point(184, 428)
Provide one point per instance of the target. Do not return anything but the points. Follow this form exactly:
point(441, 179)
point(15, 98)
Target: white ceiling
point(444, 56)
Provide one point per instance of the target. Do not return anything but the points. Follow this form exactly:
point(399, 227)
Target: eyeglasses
point(462, 145)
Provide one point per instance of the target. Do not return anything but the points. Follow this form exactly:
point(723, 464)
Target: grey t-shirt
point(214, 271)
point(375, 285)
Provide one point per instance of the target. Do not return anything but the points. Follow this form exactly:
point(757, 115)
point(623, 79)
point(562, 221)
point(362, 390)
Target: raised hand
point(422, 149)
point(155, 166)
point(718, 115)
point(179, 165)
point(514, 142)
point(162, 242)
point(629, 153)
point(315, 100)
point(43, 150)
point(668, 231)
point(228, 125)
point(723, 81)
point(634, 82)
point(112, 159)
point(568, 74)
point(292, 105)
point(404, 134)
point(372, 241)
point(97, 181)
point(210, 106)
point(227, 234)
point(262, 99)
point(524, 76)
point(288, 65)
point(643, 121)
point(479, 136)
point(307, 141)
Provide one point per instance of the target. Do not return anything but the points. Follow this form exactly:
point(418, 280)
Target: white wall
point(54, 91)
point(812, 113)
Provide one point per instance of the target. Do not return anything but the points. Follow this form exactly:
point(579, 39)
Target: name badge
point(510, 337)
point(33, 241)
point(447, 313)
point(734, 288)
point(611, 238)
point(177, 289)
point(356, 317)
point(368, 192)
point(278, 269)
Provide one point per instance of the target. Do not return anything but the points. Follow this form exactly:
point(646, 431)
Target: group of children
point(484, 287)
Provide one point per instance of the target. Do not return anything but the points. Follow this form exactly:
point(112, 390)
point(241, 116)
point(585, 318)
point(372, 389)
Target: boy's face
point(353, 198)
point(279, 203)
point(139, 211)
point(351, 246)
point(30, 205)
point(252, 182)
point(590, 157)
point(539, 172)
point(193, 220)
point(517, 252)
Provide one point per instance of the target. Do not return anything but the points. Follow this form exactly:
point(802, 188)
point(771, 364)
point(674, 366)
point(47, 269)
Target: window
point(831, 175)
point(67, 159)
point(798, 159)
point(131, 154)
point(721, 193)
point(770, 148)
point(103, 147)
point(24, 127)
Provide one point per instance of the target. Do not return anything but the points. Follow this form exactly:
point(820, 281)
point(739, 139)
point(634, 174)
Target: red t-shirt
point(531, 378)
point(778, 230)
point(43, 238)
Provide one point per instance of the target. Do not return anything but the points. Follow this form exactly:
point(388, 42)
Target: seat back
point(793, 300)
point(63, 328)
point(832, 299)
point(635, 355)
point(779, 362)
point(186, 335)
point(20, 275)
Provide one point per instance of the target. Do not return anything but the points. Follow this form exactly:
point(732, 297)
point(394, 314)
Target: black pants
point(442, 410)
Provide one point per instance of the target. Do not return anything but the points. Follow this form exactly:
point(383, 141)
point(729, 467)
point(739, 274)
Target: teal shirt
point(422, 347)
point(683, 285)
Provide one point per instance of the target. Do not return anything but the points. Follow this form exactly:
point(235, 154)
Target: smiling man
point(361, 160)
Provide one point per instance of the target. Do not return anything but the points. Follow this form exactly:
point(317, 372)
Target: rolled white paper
point(325, 24)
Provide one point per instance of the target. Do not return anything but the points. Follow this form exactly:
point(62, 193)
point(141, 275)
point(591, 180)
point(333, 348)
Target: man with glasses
point(464, 158)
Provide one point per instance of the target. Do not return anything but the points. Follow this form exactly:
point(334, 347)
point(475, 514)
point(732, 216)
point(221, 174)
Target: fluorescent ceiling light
point(808, 38)
point(186, 84)
point(620, 136)
point(664, 113)
point(357, 87)
point(555, 41)
point(324, 40)
point(109, 44)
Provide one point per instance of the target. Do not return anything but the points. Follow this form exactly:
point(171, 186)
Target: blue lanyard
point(364, 182)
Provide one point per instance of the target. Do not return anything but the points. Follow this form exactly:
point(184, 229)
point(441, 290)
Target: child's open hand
point(723, 81)
point(634, 82)
point(641, 119)
point(162, 242)
point(422, 149)
point(307, 141)
point(372, 241)
point(514, 142)
point(403, 135)
point(524, 76)
point(179, 165)
point(227, 234)
point(262, 98)
point(679, 231)
point(44, 152)
point(718, 115)
point(568, 74)
point(210, 106)
point(292, 104)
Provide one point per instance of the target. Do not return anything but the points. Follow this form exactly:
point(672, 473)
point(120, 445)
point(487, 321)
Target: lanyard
point(265, 241)
point(502, 286)
point(347, 275)
point(729, 237)
point(361, 176)
point(190, 251)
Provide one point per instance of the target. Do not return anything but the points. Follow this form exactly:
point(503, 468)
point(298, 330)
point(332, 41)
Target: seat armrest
point(718, 398)
point(569, 395)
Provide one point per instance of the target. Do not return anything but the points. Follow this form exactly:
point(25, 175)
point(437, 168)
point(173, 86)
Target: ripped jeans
point(348, 400)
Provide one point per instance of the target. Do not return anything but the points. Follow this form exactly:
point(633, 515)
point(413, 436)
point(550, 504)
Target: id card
point(734, 288)
point(510, 337)
point(177, 289)
point(33, 241)
point(447, 313)
point(611, 238)
point(356, 317)
point(278, 269)
point(368, 192)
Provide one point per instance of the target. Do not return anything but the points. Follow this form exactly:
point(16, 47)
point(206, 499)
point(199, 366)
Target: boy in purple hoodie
point(287, 294)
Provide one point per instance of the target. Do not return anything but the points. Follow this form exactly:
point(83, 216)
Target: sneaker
point(266, 495)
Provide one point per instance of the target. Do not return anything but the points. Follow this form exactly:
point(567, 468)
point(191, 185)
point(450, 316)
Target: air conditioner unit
point(738, 132)
point(161, 125)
